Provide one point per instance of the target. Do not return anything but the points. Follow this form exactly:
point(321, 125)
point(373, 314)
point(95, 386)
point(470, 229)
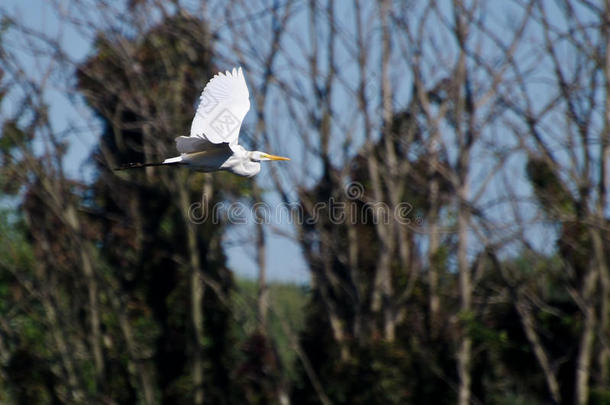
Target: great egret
point(212, 145)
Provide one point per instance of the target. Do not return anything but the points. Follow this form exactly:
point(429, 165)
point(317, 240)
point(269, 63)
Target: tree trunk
point(197, 293)
point(529, 327)
point(262, 300)
point(434, 301)
point(465, 346)
point(583, 363)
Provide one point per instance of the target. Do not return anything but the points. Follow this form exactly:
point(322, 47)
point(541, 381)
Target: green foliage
point(600, 396)
point(548, 187)
point(287, 311)
point(12, 142)
point(29, 377)
point(374, 375)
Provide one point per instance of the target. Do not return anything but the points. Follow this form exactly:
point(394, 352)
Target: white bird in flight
point(212, 144)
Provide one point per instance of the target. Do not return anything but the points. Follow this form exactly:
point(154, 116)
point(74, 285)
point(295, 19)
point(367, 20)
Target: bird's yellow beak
point(273, 157)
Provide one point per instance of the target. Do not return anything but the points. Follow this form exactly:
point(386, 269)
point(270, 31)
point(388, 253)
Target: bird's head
point(258, 156)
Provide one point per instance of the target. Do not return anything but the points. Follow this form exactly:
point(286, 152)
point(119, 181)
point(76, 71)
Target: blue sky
point(284, 259)
point(283, 256)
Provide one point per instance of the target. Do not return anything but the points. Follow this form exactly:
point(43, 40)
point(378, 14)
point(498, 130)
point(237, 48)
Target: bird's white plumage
point(223, 105)
point(212, 145)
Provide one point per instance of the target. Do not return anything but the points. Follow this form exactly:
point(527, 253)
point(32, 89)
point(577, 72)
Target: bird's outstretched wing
point(222, 107)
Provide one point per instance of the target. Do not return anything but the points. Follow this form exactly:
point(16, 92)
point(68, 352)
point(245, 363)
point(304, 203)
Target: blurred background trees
point(450, 174)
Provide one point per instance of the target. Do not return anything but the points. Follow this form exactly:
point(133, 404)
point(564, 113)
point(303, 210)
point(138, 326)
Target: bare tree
point(435, 145)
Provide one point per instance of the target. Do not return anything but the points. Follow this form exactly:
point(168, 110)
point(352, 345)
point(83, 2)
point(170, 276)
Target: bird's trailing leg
point(139, 165)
